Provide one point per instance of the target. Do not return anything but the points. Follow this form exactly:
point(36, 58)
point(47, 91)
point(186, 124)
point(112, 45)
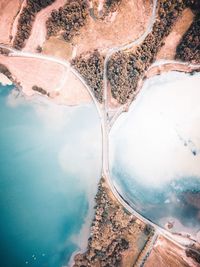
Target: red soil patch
point(8, 12)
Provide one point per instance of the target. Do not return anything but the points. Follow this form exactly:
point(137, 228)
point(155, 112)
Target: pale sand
point(8, 11)
point(71, 92)
point(38, 33)
point(62, 85)
point(4, 80)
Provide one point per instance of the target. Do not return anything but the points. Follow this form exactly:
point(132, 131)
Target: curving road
point(103, 112)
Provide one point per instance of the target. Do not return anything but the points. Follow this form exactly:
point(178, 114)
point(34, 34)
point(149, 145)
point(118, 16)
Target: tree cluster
point(4, 51)
point(68, 19)
point(194, 5)
point(26, 20)
point(125, 69)
point(5, 71)
point(189, 47)
point(193, 253)
point(108, 234)
point(91, 68)
point(111, 5)
point(40, 90)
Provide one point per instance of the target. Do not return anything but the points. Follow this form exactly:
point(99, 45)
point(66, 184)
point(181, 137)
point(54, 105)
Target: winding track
point(103, 111)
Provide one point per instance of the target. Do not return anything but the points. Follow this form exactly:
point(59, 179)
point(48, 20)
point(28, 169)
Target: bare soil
point(38, 33)
point(61, 84)
point(166, 253)
point(8, 12)
point(121, 27)
point(183, 23)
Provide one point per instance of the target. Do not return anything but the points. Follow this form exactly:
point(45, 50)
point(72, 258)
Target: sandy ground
point(58, 48)
point(38, 33)
point(115, 30)
point(72, 91)
point(166, 253)
point(168, 51)
point(60, 83)
point(137, 241)
point(8, 12)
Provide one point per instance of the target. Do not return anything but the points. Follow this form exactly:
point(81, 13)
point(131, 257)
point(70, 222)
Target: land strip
point(106, 115)
point(117, 237)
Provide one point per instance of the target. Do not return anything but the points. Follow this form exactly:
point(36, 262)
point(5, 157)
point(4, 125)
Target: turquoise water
point(50, 164)
point(155, 152)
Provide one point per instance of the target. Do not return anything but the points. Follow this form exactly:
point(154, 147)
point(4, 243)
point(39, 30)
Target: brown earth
point(113, 31)
point(165, 253)
point(182, 24)
point(58, 48)
point(38, 32)
point(8, 12)
point(126, 68)
point(117, 238)
point(58, 82)
point(188, 49)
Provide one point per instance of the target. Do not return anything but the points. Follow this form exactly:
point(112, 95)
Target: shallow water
point(50, 164)
point(155, 152)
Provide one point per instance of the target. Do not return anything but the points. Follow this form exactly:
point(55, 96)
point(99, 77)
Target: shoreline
point(121, 230)
point(55, 84)
point(123, 119)
point(5, 80)
point(65, 88)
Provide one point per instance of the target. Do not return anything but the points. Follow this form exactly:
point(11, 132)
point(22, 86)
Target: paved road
point(103, 111)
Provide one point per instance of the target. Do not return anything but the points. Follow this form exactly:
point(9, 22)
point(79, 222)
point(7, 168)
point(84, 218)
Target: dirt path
point(38, 32)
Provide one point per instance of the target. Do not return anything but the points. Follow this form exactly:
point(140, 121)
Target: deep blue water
point(49, 170)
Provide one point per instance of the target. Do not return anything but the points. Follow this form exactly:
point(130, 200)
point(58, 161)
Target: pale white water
point(155, 148)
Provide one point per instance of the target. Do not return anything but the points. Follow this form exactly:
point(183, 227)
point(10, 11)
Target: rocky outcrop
point(68, 19)
point(91, 68)
point(26, 20)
